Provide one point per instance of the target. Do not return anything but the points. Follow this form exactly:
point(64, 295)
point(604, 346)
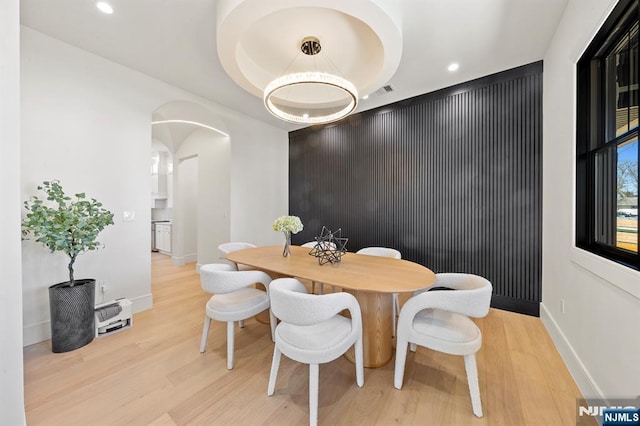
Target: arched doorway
point(198, 178)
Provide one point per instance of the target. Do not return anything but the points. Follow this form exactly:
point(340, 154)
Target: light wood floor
point(154, 374)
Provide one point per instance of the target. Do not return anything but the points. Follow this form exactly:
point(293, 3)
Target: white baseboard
point(39, 332)
point(583, 379)
point(187, 258)
point(142, 303)
point(36, 333)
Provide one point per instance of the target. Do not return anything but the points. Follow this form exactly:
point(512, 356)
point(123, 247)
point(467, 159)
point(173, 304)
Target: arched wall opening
point(198, 199)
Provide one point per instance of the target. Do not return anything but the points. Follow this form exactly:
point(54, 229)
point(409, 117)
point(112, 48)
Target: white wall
point(86, 121)
point(189, 209)
point(213, 181)
point(598, 333)
point(11, 368)
point(256, 181)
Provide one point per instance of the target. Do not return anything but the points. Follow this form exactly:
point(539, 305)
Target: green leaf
point(62, 224)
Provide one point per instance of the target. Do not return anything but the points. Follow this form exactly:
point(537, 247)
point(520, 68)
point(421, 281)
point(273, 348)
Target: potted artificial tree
point(70, 226)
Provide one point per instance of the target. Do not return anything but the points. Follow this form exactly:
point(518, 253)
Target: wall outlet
point(103, 287)
point(128, 216)
point(562, 306)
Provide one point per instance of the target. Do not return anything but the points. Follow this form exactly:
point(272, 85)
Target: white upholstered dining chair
point(395, 254)
point(232, 246)
point(234, 299)
point(311, 331)
point(439, 320)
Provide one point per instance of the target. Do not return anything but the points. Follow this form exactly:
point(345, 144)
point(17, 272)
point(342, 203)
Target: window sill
point(621, 276)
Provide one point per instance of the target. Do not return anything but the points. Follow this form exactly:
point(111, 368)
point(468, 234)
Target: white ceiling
point(175, 41)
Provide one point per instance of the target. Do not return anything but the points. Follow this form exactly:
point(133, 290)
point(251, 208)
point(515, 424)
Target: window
point(607, 140)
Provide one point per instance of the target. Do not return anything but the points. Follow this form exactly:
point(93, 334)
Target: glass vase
point(287, 243)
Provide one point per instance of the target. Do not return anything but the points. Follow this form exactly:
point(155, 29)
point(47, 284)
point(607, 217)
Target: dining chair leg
point(394, 315)
point(273, 321)
point(275, 364)
point(230, 337)
point(241, 323)
point(205, 333)
point(314, 372)
point(359, 363)
point(401, 359)
point(320, 287)
point(472, 379)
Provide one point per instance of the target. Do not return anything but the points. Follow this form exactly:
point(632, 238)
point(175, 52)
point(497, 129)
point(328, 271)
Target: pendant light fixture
point(314, 96)
point(309, 60)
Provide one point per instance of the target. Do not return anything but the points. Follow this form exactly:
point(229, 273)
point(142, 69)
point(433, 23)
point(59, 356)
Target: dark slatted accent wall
point(452, 179)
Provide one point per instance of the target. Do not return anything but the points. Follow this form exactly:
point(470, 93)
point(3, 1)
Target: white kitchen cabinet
point(163, 237)
point(161, 180)
point(159, 175)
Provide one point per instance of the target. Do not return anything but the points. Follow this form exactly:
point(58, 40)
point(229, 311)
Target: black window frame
point(590, 131)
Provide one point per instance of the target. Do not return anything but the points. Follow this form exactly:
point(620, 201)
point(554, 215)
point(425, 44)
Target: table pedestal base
point(376, 328)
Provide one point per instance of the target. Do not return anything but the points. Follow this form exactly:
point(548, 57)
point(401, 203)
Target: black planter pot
point(72, 314)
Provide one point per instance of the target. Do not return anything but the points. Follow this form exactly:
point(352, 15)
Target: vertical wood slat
point(452, 180)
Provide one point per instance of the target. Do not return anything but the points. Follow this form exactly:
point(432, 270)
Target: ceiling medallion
point(311, 97)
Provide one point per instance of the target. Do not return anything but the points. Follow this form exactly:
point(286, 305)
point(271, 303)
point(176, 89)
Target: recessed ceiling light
point(453, 67)
point(104, 7)
point(365, 97)
point(305, 115)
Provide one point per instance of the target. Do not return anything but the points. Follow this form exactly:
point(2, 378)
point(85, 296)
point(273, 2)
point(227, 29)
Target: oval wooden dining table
point(371, 279)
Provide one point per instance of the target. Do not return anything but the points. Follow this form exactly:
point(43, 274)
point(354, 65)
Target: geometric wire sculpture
point(330, 246)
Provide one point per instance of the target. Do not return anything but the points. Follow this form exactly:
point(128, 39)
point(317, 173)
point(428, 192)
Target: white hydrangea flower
point(291, 224)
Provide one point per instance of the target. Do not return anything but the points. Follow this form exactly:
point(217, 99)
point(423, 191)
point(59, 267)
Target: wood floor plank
point(154, 374)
